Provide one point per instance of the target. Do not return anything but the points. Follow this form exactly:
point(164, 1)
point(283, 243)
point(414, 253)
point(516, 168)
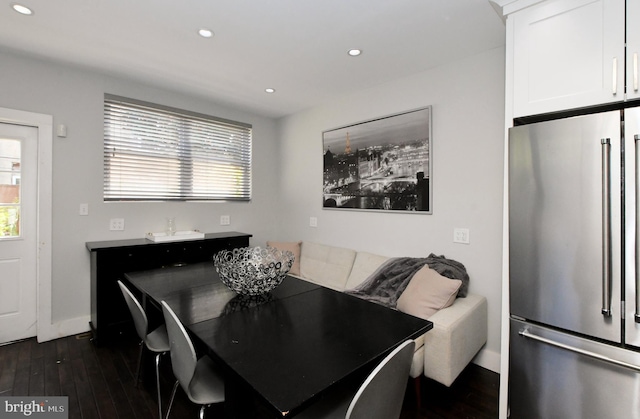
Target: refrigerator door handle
point(637, 261)
point(606, 228)
point(525, 333)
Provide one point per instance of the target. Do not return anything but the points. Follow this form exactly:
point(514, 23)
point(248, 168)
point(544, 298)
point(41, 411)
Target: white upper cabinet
point(567, 54)
point(633, 48)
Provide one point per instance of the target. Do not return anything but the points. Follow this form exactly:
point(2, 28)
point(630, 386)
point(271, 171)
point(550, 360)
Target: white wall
point(74, 97)
point(468, 131)
point(468, 112)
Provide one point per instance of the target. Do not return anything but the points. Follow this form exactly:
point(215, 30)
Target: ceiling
point(297, 47)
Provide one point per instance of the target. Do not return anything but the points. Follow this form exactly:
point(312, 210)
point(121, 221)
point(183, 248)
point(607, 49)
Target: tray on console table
point(110, 317)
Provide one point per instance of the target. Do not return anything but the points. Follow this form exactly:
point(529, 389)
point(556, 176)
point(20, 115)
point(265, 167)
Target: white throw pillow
point(428, 292)
point(293, 247)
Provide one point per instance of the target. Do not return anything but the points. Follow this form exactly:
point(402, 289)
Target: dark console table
point(110, 317)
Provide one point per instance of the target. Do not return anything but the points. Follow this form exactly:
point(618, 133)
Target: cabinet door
point(568, 54)
point(633, 49)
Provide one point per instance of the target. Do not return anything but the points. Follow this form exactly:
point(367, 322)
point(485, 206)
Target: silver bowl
point(253, 270)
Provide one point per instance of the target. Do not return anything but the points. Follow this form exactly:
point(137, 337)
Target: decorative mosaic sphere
point(253, 270)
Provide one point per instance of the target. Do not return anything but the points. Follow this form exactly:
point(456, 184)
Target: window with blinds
point(155, 153)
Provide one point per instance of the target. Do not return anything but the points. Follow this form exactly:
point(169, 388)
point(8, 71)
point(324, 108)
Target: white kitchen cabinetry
point(633, 49)
point(567, 54)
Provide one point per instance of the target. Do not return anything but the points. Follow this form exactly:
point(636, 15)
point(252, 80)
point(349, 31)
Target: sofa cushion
point(364, 265)
point(428, 292)
point(293, 247)
point(326, 265)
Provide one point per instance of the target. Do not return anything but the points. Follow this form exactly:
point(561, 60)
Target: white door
point(633, 50)
point(18, 227)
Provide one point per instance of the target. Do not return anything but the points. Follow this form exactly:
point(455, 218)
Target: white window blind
point(158, 153)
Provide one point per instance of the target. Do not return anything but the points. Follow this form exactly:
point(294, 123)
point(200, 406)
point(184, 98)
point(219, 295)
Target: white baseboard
point(488, 359)
point(63, 328)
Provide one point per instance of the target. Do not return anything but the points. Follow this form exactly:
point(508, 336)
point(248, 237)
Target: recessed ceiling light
point(22, 9)
point(205, 33)
point(270, 90)
point(354, 52)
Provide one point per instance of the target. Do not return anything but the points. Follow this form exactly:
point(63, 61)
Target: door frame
point(44, 123)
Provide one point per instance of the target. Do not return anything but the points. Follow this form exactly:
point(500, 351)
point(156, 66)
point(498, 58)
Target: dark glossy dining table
point(283, 350)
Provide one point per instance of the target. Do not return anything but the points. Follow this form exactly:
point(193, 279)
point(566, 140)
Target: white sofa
point(459, 331)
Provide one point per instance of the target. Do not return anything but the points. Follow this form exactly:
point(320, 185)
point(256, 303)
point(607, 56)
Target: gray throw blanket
point(387, 283)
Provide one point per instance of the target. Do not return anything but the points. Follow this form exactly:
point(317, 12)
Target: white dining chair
point(379, 397)
point(200, 379)
point(155, 341)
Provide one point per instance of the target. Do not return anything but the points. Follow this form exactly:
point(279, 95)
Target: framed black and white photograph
point(383, 164)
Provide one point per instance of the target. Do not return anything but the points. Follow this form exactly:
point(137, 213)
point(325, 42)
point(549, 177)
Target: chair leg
point(158, 384)
point(173, 394)
point(416, 386)
point(202, 411)
point(139, 362)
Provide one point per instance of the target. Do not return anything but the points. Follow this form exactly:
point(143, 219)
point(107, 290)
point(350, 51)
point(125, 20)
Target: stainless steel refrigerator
point(573, 260)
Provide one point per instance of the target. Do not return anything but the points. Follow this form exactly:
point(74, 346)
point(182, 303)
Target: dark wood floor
point(100, 383)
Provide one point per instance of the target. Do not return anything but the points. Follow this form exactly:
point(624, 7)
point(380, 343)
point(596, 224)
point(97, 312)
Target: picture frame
point(382, 164)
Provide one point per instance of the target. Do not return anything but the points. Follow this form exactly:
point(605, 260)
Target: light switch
point(61, 131)
point(116, 224)
point(461, 235)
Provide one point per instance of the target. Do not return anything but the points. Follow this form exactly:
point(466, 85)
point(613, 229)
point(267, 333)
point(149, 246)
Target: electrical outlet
point(84, 209)
point(116, 224)
point(225, 220)
point(313, 221)
point(461, 235)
